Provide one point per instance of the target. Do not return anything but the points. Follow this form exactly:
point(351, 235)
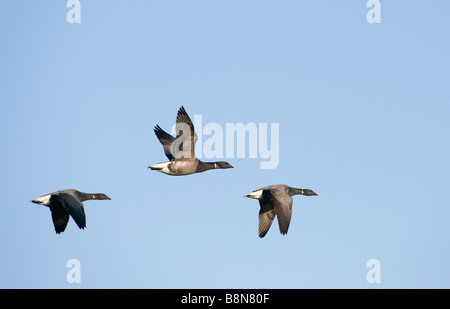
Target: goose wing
point(186, 136)
point(73, 206)
point(282, 204)
point(166, 140)
point(266, 216)
point(60, 215)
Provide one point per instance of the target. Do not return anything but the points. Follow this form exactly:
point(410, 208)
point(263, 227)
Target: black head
point(223, 164)
point(295, 191)
point(100, 196)
point(308, 192)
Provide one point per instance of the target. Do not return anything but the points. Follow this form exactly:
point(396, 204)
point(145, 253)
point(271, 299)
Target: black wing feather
point(73, 207)
point(166, 140)
point(282, 204)
point(60, 215)
point(187, 145)
point(266, 216)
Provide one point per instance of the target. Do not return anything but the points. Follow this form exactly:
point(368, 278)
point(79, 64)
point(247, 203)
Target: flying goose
point(276, 200)
point(68, 202)
point(180, 149)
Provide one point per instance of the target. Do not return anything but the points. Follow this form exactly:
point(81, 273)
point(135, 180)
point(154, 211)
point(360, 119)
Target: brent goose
point(276, 200)
point(68, 202)
point(180, 149)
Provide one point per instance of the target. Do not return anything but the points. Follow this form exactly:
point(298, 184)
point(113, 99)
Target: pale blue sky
point(363, 111)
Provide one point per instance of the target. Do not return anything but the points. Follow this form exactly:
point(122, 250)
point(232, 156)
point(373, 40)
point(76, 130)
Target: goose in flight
point(180, 150)
point(276, 200)
point(68, 202)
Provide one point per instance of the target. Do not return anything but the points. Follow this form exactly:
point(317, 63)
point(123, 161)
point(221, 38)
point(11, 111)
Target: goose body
point(180, 150)
point(67, 203)
point(276, 200)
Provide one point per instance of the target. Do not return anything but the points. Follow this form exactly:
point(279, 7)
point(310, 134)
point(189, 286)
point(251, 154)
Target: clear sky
point(363, 112)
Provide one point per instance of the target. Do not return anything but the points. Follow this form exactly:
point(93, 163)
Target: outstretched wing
point(282, 204)
point(166, 140)
point(60, 215)
point(74, 207)
point(266, 216)
point(186, 136)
